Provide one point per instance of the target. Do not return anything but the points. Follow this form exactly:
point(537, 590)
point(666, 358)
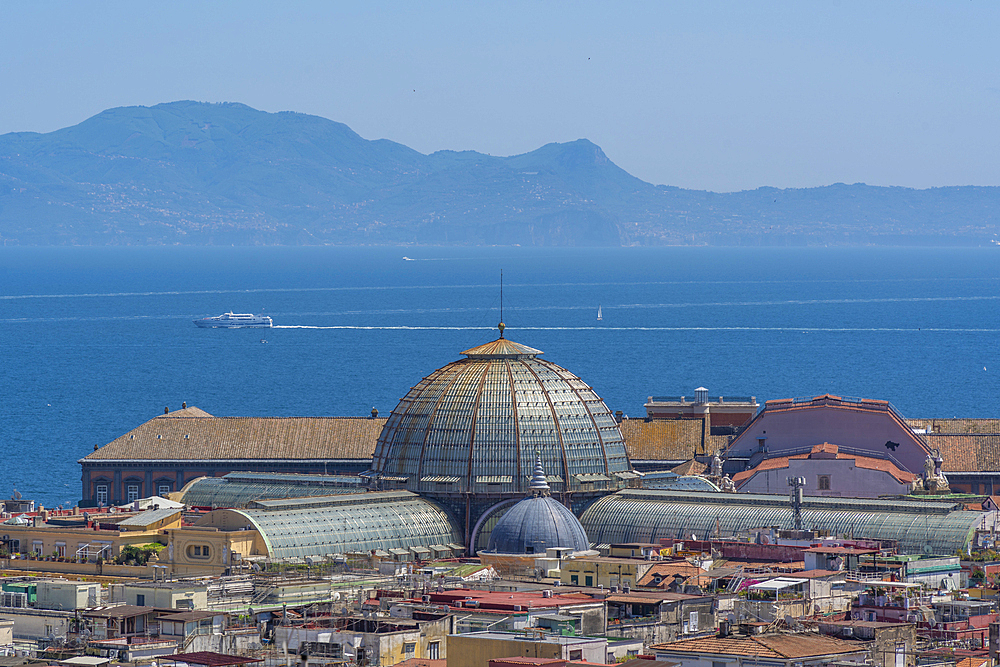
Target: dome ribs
point(472, 430)
point(558, 429)
point(517, 426)
point(590, 414)
point(430, 424)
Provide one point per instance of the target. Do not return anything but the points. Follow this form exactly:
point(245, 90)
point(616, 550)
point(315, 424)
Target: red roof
point(506, 600)
point(828, 451)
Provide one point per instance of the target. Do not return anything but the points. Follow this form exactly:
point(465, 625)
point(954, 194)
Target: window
point(574, 579)
point(694, 621)
point(576, 655)
point(132, 492)
point(409, 648)
point(61, 549)
point(198, 551)
point(162, 489)
point(140, 600)
point(590, 582)
point(824, 483)
point(434, 651)
point(102, 494)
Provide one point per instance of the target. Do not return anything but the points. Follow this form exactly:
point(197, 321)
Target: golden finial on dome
point(501, 327)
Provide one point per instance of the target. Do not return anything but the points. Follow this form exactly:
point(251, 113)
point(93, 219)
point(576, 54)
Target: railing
point(864, 577)
point(722, 400)
point(91, 550)
point(853, 451)
point(867, 403)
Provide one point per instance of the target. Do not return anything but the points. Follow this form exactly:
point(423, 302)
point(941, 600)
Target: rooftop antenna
point(501, 325)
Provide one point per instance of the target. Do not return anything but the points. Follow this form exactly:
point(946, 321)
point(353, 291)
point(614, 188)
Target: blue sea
point(97, 340)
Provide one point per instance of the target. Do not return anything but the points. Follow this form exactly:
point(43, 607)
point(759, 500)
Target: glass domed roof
point(476, 424)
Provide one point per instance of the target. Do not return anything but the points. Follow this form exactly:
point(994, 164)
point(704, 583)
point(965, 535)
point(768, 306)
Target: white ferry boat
point(235, 321)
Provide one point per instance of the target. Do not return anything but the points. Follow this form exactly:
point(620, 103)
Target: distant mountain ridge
point(200, 174)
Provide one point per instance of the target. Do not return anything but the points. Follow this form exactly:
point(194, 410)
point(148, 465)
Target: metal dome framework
point(475, 425)
point(648, 515)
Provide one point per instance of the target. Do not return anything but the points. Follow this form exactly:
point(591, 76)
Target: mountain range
point(202, 174)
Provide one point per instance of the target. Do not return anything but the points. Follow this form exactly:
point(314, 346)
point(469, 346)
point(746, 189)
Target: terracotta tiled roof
point(186, 413)
point(967, 451)
point(956, 425)
point(173, 437)
point(692, 467)
point(666, 571)
point(662, 439)
point(717, 443)
point(825, 450)
point(764, 646)
point(972, 662)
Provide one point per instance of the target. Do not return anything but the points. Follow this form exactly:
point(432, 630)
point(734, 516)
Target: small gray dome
point(536, 524)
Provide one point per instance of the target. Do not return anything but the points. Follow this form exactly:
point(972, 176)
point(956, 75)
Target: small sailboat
point(599, 318)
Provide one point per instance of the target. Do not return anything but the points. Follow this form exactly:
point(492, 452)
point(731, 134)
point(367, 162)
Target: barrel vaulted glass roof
point(481, 420)
point(342, 524)
point(648, 515)
point(237, 489)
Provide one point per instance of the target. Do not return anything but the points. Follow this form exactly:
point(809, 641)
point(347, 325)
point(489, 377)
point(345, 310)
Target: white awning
point(777, 584)
point(85, 661)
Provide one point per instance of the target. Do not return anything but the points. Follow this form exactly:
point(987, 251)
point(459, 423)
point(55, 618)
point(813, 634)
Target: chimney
point(374, 412)
point(618, 416)
point(184, 405)
point(166, 411)
point(724, 628)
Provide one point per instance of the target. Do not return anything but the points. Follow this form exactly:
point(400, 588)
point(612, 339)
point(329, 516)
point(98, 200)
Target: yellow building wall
point(186, 546)
point(471, 651)
point(47, 539)
point(600, 573)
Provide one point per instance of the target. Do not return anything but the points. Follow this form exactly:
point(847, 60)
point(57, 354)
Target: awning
point(628, 475)
point(494, 479)
point(85, 661)
point(777, 584)
point(441, 479)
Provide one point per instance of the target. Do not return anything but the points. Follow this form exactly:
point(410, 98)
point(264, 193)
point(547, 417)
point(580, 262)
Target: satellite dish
point(17, 494)
point(928, 549)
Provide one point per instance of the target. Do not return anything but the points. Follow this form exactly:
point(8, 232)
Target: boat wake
point(363, 327)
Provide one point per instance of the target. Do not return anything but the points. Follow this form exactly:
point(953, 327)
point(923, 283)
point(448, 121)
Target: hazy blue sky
point(717, 95)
